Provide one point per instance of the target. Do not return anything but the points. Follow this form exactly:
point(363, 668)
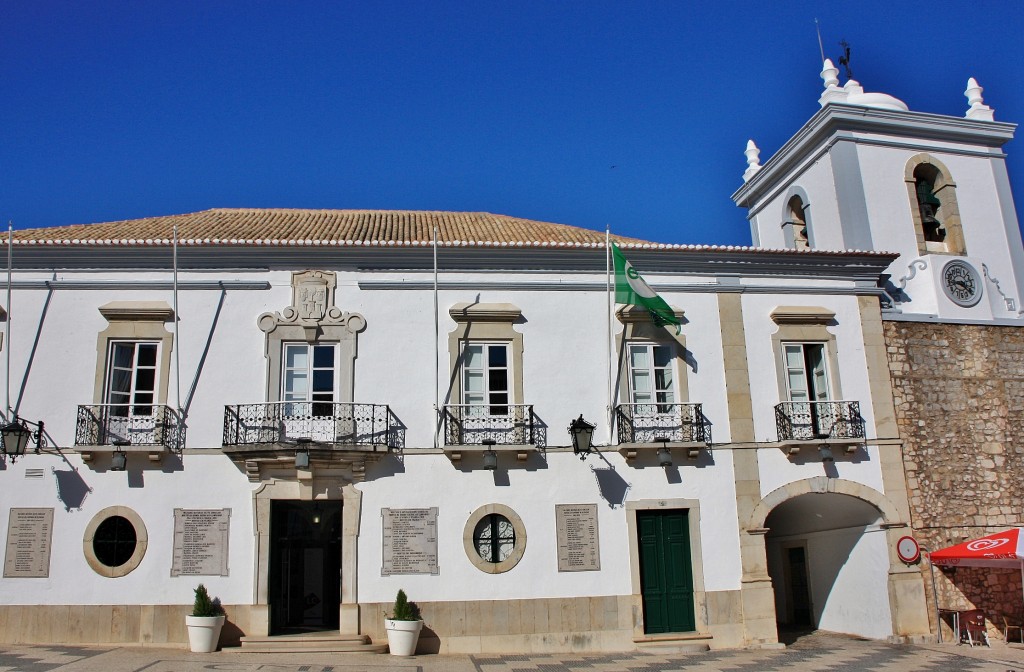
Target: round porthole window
point(115, 541)
point(494, 538)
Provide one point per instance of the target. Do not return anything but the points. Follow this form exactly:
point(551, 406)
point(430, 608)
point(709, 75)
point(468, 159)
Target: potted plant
point(205, 622)
point(403, 626)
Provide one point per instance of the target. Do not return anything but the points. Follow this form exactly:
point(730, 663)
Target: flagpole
point(177, 335)
point(608, 295)
point(437, 345)
point(7, 322)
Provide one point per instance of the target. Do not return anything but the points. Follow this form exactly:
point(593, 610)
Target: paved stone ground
point(820, 651)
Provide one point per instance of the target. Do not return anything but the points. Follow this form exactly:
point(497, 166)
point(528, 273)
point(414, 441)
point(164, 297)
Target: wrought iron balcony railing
point(319, 421)
point(819, 420)
point(676, 423)
point(124, 425)
point(472, 424)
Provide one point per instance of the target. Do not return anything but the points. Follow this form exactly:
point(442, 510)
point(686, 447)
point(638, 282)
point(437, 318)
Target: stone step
point(320, 642)
point(676, 643)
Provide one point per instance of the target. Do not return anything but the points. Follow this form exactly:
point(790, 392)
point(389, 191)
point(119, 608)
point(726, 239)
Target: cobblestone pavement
point(821, 651)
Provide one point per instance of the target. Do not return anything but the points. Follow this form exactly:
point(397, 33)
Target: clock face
point(961, 283)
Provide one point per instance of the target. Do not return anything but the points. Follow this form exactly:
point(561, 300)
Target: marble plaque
point(410, 541)
point(576, 533)
point(29, 538)
point(200, 542)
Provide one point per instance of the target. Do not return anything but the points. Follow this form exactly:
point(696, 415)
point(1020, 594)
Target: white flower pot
point(402, 636)
point(203, 633)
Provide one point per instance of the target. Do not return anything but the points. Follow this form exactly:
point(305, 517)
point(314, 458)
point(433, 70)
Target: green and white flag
point(632, 289)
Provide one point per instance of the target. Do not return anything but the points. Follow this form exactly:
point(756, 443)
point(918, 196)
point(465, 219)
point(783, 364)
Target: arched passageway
point(828, 560)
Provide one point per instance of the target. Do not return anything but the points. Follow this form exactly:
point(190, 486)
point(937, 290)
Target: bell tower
point(867, 173)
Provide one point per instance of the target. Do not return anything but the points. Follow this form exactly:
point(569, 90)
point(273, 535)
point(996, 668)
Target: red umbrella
point(1002, 549)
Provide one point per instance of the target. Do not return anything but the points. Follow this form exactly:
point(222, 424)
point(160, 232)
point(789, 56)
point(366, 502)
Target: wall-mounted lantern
point(664, 454)
point(16, 435)
point(582, 433)
point(490, 456)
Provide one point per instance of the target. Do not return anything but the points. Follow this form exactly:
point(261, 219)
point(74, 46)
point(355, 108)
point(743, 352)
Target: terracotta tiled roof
point(277, 226)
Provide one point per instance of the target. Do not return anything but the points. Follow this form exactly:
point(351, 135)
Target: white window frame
point(821, 390)
point(133, 372)
point(310, 372)
point(671, 392)
point(485, 404)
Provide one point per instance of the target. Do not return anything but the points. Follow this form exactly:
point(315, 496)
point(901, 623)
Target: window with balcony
point(310, 351)
point(651, 377)
point(653, 392)
point(485, 379)
point(309, 378)
point(132, 379)
point(133, 366)
point(808, 370)
point(485, 402)
point(806, 374)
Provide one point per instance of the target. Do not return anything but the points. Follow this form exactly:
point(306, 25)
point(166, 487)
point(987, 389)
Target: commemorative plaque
point(29, 538)
point(200, 542)
point(576, 533)
point(410, 541)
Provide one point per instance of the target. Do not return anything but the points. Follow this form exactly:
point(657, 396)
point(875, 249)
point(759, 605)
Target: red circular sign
point(908, 549)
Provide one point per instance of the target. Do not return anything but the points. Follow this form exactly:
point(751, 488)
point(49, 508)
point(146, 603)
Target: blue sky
point(628, 114)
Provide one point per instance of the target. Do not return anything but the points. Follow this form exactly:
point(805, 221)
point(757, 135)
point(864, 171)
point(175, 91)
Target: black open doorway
point(304, 588)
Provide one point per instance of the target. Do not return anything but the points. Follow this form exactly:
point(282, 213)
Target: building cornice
point(836, 118)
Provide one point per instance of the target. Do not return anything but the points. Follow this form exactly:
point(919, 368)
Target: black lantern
point(302, 454)
point(582, 433)
point(490, 456)
point(826, 454)
point(16, 436)
point(119, 461)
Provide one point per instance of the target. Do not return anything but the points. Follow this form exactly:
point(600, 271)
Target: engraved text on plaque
point(410, 541)
point(576, 532)
point(29, 536)
point(200, 542)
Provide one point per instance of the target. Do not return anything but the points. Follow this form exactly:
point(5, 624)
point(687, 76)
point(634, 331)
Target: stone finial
point(753, 155)
point(978, 109)
point(853, 86)
point(833, 93)
point(829, 73)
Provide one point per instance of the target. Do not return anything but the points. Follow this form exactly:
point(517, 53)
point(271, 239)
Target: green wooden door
point(666, 573)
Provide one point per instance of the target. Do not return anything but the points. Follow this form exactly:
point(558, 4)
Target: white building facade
point(307, 372)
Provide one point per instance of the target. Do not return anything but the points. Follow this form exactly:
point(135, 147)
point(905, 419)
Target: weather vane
point(844, 60)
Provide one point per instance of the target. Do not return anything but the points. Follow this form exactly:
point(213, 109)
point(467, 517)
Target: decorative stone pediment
point(312, 308)
point(802, 315)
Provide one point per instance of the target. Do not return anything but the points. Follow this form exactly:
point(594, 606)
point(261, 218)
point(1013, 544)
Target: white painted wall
point(205, 482)
point(565, 374)
point(848, 573)
point(816, 178)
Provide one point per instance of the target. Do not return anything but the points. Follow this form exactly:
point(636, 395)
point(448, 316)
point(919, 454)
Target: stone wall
point(959, 393)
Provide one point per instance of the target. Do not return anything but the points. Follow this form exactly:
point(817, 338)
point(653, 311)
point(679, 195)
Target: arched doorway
point(828, 558)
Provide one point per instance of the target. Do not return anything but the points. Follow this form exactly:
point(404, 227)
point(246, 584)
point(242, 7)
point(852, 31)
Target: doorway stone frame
point(325, 488)
point(696, 562)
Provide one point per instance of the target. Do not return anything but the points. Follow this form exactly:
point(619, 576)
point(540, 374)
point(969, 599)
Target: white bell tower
point(866, 173)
